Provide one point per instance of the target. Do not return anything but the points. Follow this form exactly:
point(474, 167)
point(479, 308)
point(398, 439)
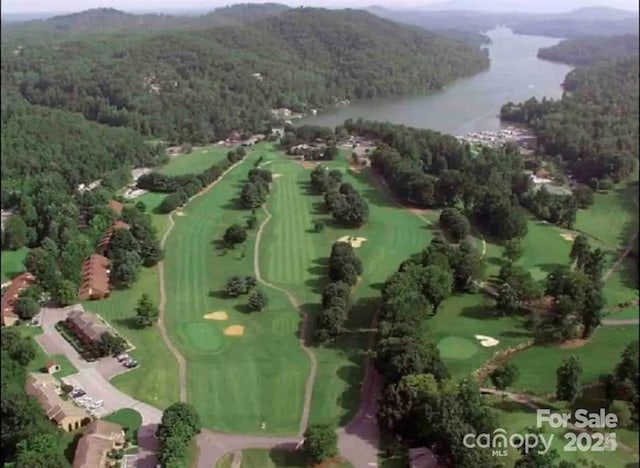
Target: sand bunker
point(234, 330)
point(355, 242)
point(221, 315)
point(568, 236)
point(486, 341)
point(276, 175)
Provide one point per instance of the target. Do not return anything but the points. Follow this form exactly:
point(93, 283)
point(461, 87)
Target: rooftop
point(9, 298)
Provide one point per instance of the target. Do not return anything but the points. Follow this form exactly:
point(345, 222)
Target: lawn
point(241, 381)
point(599, 356)
point(260, 458)
point(155, 381)
point(295, 258)
point(195, 162)
point(621, 286)
point(12, 262)
point(41, 359)
point(459, 319)
point(613, 215)
point(129, 419)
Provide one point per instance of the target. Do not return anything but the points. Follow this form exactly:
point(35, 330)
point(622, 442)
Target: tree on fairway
point(568, 375)
point(257, 300)
point(318, 226)
point(437, 284)
point(236, 285)
point(250, 282)
point(235, 234)
point(507, 300)
point(513, 249)
point(320, 442)
point(504, 376)
point(180, 423)
point(580, 250)
point(146, 312)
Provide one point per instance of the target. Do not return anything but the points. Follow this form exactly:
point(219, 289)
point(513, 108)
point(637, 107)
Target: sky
point(39, 6)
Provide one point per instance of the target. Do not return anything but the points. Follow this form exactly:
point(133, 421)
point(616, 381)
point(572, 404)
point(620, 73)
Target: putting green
point(454, 347)
point(204, 336)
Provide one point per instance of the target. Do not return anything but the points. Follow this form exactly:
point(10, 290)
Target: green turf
point(295, 258)
point(195, 162)
point(454, 347)
point(204, 336)
point(260, 458)
point(465, 315)
point(621, 286)
point(128, 418)
point(613, 215)
point(599, 356)
point(631, 312)
point(41, 359)
point(155, 381)
point(258, 377)
point(12, 262)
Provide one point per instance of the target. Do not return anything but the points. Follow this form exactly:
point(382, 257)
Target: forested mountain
point(111, 20)
point(582, 22)
point(586, 50)
point(593, 129)
point(197, 86)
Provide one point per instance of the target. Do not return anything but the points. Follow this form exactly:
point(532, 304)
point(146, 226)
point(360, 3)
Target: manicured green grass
point(622, 284)
point(295, 258)
point(204, 336)
point(515, 418)
point(612, 216)
point(225, 462)
point(12, 262)
point(632, 312)
point(453, 347)
point(41, 359)
point(155, 381)
point(195, 162)
point(260, 458)
point(255, 378)
point(129, 419)
point(463, 316)
point(599, 356)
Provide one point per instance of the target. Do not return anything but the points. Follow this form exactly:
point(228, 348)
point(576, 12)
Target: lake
point(470, 104)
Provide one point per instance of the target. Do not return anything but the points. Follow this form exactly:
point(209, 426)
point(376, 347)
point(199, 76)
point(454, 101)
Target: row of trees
point(255, 191)
point(239, 285)
point(344, 269)
point(417, 389)
point(344, 202)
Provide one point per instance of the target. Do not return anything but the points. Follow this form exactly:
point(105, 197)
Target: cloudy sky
point(29, 6)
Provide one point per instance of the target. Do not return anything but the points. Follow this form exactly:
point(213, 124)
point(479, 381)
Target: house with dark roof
point(95, 278)
point(87, 326)
point(45, 389)
point(100, 438)
point(10, 297)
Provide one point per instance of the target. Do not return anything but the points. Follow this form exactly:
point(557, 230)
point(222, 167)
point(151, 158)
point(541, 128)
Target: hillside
point(586, 50)
point(581, 22)
point(199, 85)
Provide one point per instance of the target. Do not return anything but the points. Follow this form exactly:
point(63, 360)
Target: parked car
point(131, 364)
point(122, 357)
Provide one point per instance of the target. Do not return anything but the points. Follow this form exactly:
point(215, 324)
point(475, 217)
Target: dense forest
point(586, 50)
point(593, 129)
point(197, 86)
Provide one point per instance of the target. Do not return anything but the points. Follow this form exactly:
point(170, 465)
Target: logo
point(586, 432)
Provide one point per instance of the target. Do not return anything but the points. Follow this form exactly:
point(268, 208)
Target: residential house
point(105, 240)
point(422, 458)
point(95, 278)
point(10, 297)
point(46, 389)
point(87, 326)
point(100, 438)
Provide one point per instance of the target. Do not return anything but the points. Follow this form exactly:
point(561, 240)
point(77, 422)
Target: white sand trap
point(355, 242)
point(568, 236)
point(180, 213)
point(276, 175)
point(486, 341)
point(234, 330)
point(221, 315)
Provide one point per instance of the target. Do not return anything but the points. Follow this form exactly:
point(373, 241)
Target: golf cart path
point(182, 364)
